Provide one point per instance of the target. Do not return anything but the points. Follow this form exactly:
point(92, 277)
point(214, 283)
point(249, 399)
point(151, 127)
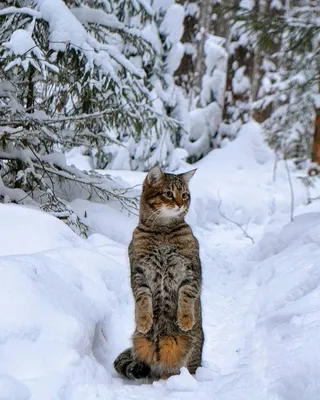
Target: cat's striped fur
point(166, 283)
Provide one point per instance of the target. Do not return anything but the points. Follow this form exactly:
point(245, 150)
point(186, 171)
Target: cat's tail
point(128, 366)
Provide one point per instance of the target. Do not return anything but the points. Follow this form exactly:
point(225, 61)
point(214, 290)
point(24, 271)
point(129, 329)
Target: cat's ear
point(155, 174)
point(188, 175)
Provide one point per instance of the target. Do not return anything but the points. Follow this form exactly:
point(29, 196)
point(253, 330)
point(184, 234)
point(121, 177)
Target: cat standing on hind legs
point(166, 283)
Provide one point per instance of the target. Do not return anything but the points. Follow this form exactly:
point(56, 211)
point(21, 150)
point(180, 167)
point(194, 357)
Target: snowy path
point(225, 309)
point(67, 309)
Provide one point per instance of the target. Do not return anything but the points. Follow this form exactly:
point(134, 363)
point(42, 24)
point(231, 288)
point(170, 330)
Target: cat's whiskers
point(157, 217)
point(151, 215)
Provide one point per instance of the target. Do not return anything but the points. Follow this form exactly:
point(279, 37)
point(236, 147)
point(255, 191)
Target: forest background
point(126, 84)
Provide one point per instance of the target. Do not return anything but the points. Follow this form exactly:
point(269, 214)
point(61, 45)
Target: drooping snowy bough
point(68, 80)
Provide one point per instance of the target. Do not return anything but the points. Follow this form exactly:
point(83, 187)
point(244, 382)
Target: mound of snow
point(285, 311)
point(21, 43)
point(238, 179)
point(11, 389)
point(58, 302)
point(303, 230)
point(29, 231)
point(102, 218)
point(248, 150)
point(182, 382)
point(205, 374)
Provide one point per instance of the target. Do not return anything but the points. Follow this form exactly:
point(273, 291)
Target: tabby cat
point(166, 283)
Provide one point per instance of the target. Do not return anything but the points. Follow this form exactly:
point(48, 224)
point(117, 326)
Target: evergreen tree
point(165, 32)
point(240, 49)
point(68, 79)
point(198, 78)
point(290, 84)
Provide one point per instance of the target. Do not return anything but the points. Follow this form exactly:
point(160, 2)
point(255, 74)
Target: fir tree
point(240, 49)
point(68, 79)
point(290, 84)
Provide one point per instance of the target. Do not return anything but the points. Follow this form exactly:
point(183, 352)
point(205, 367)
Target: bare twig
point(243, 230)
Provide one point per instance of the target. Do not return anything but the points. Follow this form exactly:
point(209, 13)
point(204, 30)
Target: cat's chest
point(165, 261)
point(166, 252)
point(162, 245)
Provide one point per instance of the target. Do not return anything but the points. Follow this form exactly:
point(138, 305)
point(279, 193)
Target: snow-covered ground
point(66, 308)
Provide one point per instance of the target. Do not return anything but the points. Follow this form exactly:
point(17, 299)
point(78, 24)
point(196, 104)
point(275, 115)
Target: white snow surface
point(67, 310)
point(65, 28)
point(172, 24)
point(20, 42)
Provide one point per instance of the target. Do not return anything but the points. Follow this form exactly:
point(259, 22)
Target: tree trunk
point(315, 154)
point(315, 157)
point(185, 74)
point(221, 23)
point(30, 94)
point(205, 22)
point(237, 107)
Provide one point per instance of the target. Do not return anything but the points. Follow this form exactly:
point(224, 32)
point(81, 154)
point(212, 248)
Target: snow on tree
point(186, 75)
point(194, 73)
point(290, 84)
point(240, 48)
point(273, 72)
point(205, 118)
point(165, 32)
point(69, 78)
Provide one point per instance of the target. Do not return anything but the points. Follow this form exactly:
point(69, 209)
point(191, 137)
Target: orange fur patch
point(143, 349)
point(165, 377)
point(172, 349)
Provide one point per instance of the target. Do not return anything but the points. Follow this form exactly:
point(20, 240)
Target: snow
point(66, 29)
point(57, 235)
point(150, 34)
point(10, 388)
point(174, 57)
point(66, 305)
point(20, 42)
point(213, 85)
point(192, 10)
point(145, 4)
point(276, 4)
point(92, 16)
point(240, 82)
point(182, 382)
point(23, 10)
point(159, 5)
point(172, 24)
point(203, 122)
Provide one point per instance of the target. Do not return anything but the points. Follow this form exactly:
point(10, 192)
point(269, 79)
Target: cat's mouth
point(172, 212)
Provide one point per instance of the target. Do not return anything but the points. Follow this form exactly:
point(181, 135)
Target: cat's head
point(165, 197)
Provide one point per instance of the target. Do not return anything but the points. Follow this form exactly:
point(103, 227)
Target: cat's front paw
point(144, 322)
point(186, 320)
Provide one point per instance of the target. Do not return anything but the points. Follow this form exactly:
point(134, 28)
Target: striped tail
point(129, 367)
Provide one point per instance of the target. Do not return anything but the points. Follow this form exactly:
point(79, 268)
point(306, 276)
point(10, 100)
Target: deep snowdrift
point(66, 307)
point(53, 301)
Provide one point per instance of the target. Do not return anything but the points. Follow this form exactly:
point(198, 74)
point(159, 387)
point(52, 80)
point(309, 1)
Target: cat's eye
point(169, 194)
point(184, 195)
